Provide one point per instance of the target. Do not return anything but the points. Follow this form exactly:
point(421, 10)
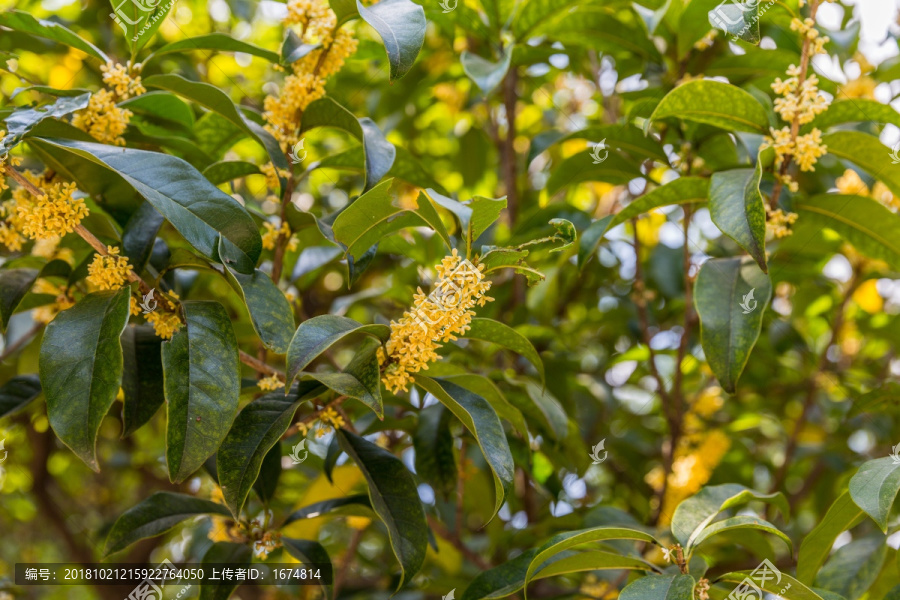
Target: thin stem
point(258, 365)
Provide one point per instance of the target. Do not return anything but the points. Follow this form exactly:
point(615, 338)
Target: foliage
point(544, 299)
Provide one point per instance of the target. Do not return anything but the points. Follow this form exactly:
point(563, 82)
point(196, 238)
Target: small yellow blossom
point(779, 222)
point(102, 119)
point(164, 323)
point(53, 214)
point(864, 87)
point(707, 40)
point(272, 174)
point(109, 272)
point(329, 420)
point(63, 301)
point(272, 234)
point(134, 306)
point(117, 77)
point(808, 148)
point(440, 316)
point(850, 183)
point(270, 384)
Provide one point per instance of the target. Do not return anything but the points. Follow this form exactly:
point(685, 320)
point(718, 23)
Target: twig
point(347, 561)
point(258, 365)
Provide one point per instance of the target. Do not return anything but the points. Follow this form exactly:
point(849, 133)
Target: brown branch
point(641, 303)
point(258, 365)
point(349, 555)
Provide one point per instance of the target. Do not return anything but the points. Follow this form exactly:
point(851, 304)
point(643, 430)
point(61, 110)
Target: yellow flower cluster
point(851, 183)
point(270, 384)
point(306, 83)
point(779, 222)
point(801, 101)
point(272, 174)
point(165, 324)
point(53, 214)
point(437, 317)
point(807, 29)
point(805, 149)
point(109, 272)
point(698, 453)
point(863, 87)
point(117, 77)
point(102, 119)
point(45, 314)
point(270, 237)
point(329, 420)
point(49, 248)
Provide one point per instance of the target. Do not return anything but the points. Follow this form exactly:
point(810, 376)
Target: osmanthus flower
point(272, 174)
point(109, 272)
point(315, 23)
point(270, 237)
point(117, 77)
point(102, 119)
point(851, 183)
point(270, 384)
point(53, 214)
point(63, 301)
point(437, 317)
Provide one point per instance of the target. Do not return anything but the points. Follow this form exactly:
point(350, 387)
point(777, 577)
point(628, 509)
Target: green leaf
point(17, 393)
point(401, 25)
point(142, 377)
point(854, 567)
point(162, 105)
point(220, 553)
point(196, 208)
point(874, 488)
point(583, 167)
point(740, 20)
point(660, 587)
point(293, 48)
point(256, 430)
point(533, 13)
point(23, 120)
point(488, 390)
point(863, 222)
point(565, 233)
point(844, 514)
point(736, 207)
point(317, 509)
point(738, 523)
point(570, 539)
point(140, 235)
point(202, 380)
point(379, 153)
point(628, 139)
point(715, 103)
point(487, 75)
point(483, 423)
point(376, 215)
point(270, 311)
point(395, 499)
point(730, 296)
point(433, 443)
point(594, 560)
point(485, 211)
point(229, 170)
point(490, 330)
point(361, 379)
point(501, 581)
point(591, 238)
point(266, 482)
point(856, 110)
point(694, 514)
point(214, 41)
point(81, 368)
point(867, 152)
point(156, 515)
point(218, 101)
point(23, 21)
point(773, 585)
point(14, 284)
point(138, 22)
point(316, 335)
point(310, 553)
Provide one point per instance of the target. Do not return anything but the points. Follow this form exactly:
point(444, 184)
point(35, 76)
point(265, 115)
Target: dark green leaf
point(23, 120)
point(868, 152)
point(395, 499)
point(17, 393)
point(736, 207)
point(202, 381)
point(715, 103)
point(494, 331)
point(874, 488)
point(841, 516)
point(23, 21)
point(361, 379)
point(501, 581)
point(156, 515)
point(316, 335)
point(310, 553)
point(138, 22)
point(142, 377)
point(740, 522)
point(293, 48)
point(401, 25)
point(81, 368)
point(221, 553)
point(856, 110)
point(228, 170)
point(319, 508)
point(196, 208)
point(140, 234)
point(269, 472)
point(854, 567)
point(773, 585)
point(594, 560)
point(433, 442)
point(583, 167)
point(730, 296)
point(214, 41)
point(660, 587)
point(161, 105)
point(14, 284)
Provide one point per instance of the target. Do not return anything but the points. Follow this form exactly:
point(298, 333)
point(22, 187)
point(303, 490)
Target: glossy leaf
point(401, 25)
point(317, 509)
point(501, 581)
point(23, 120)
point(138, 22)
point(486, 74)
point(730, 296)
point(773, 585)
point(694, 514)
point(395, 499)
point(156, 515)
point(855, 110)
point(316, 335)
point(714, 103)
point(660, 587)
point(738, 19)
point(483, 423)
point(361, 379)
point(20, 20)
point(219, 553)
point(844, 514)
point(740, 522)
point(196, 208)
point(311, 554)
point(202, 382)
point(433, 442)
point(736, 207)
point(594, 560)
point(229, 170)
point(142, 377)
point(14, 284)
point(17, 393)
point(490, 330)
point(81, 368)
point(214, 41)
point(140, 234)
point(867, 152)
point(874, 488)
point(583, 167)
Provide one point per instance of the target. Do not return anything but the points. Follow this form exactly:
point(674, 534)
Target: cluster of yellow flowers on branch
point(39, 209)
point(103, 119)
point(437, 317)
point(852, 184)
point(315, 24)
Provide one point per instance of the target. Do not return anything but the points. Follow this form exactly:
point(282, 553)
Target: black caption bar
point(171, 574)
